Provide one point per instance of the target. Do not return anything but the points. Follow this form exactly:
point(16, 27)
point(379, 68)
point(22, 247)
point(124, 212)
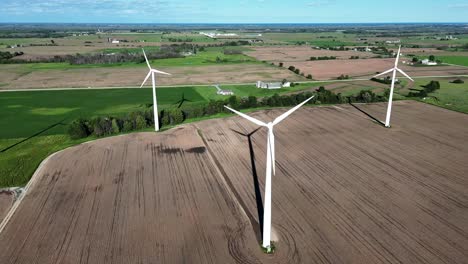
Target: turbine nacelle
point(151, 70)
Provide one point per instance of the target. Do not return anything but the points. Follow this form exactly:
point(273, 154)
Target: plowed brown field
point(346, 190)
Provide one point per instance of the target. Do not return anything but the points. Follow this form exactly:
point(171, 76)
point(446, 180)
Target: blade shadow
point(32, 136)
point(181, 101)
point(367, 114)
point(258, 193)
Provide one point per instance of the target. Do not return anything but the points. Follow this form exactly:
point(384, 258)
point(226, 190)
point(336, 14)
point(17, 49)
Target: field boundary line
point(229, 186)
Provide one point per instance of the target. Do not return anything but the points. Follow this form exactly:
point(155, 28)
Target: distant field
point(451, 96)
point(317, 39)
point(458, 60)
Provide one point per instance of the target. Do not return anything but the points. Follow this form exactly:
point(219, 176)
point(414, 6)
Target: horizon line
point(234, 23)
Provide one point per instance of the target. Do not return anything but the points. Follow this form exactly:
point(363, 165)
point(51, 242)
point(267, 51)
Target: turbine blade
point(160, 72)
point(383, 73)
point(146, 58)
point(290, 111)
point(397, 57)
point(146, 79)
point(272, 150)
point(404, 73)
point(251, 119)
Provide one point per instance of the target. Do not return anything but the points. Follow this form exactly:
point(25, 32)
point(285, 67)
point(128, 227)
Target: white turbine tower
point(270, 165)
point(390, 99)
point(152, 72)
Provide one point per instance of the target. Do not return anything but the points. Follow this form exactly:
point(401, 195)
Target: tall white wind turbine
point(270, 166)
point(390, 99)
point(152, 72)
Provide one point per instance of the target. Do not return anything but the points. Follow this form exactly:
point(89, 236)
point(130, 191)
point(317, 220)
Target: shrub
point(140, 122)
point(177, 116)
point(102, 126)
point(165, 120)
point(78, 129)
point(291, 68)
point(309, 76)
point(116, 126)
point(127, 125)
point(281, 64)
point(297, 71)
point(458, 81)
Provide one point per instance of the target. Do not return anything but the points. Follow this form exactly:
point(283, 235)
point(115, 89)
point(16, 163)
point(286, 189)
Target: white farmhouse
point(428, 62)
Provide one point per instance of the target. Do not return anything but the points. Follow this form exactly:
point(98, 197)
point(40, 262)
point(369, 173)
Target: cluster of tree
point(386, 80)
point(180, 40)
point(343, 77)
point(323, 58)
point(230, 43)
point(104, 126)
point(427, 89)
point(354, 58)
point(33, 34)
point(5, 56)
point(294, 69)
point(368, 96)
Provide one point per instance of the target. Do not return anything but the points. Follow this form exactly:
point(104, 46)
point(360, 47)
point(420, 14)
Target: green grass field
point(458, 60)
point(316, 39)
point(450, 95)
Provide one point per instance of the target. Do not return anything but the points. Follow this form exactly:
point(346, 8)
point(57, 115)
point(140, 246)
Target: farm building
point(225, 92)
point(428, 62)
point(264, 85)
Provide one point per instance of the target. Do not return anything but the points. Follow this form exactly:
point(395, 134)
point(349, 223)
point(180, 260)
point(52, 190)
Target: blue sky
point(227, 11)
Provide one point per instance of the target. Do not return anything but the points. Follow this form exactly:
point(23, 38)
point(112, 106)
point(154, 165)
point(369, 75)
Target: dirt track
point(346, 191)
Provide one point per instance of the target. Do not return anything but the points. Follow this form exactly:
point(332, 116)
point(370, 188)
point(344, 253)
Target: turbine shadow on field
point(35, 135)
point(367, 114)
point(258, 194)
point(182, 100)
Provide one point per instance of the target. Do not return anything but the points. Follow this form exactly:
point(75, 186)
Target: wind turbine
point(152, 72)
point(390, 99)
point(270, 166)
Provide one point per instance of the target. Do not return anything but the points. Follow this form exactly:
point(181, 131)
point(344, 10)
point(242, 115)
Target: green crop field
point(316, 39)
point(458, 60)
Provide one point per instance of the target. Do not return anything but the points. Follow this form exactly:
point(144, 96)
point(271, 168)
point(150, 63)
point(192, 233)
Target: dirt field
point(346, 191)
point(350, 191)
point(324, 70)
point(6, 201)
point(12, 78)
point(300, 53)
point(138, 198)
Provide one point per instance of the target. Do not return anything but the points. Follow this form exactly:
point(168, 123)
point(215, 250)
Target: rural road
point(210, 84)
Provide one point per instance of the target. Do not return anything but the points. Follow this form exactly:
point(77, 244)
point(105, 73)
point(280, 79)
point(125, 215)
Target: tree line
point(108, 125)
